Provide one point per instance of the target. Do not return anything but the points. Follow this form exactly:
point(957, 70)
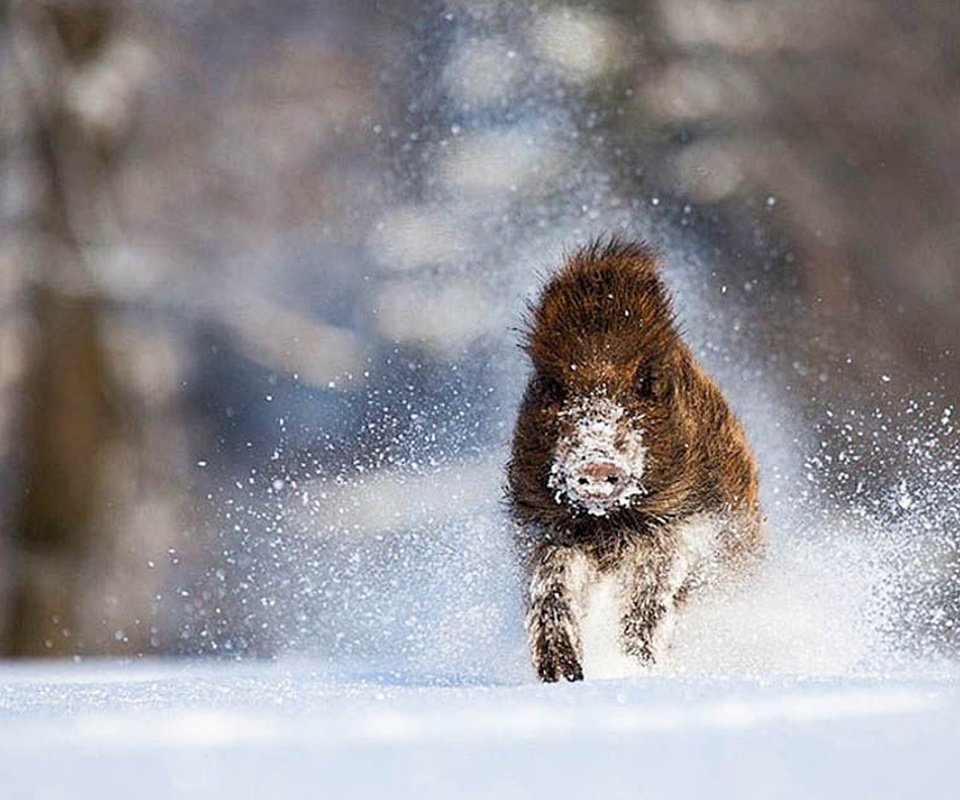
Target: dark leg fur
point(553, 607)
point(650, 600)
point(639, 625)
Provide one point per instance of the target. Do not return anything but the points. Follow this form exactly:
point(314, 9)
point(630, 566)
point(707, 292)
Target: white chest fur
point(605, 594)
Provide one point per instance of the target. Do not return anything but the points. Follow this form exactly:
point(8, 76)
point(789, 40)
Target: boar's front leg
point(554, 608)
point(652, 594)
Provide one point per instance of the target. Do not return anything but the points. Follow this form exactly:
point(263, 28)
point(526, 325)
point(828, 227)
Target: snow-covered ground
point(282, 730)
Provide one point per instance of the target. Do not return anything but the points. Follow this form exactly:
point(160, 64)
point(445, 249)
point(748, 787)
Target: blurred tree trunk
point(67, 418)
point(68, 422)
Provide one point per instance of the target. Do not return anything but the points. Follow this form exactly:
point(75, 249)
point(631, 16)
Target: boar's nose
point(599, 479)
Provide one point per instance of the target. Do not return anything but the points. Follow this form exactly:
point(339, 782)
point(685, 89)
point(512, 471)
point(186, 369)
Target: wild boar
point(627, 463)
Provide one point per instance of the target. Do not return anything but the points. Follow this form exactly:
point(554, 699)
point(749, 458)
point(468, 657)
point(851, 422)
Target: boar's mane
point(606, 303)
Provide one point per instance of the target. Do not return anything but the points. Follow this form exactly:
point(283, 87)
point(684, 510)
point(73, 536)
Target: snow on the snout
point(602, 431)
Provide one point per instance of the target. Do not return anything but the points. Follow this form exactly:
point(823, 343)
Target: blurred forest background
point(260, 262)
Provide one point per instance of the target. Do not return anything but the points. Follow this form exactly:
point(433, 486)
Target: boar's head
point(605, 434)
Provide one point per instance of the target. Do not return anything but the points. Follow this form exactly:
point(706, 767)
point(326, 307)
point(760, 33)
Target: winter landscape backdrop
point(261, 267)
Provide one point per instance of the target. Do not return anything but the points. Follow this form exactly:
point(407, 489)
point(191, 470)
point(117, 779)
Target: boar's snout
point(598, 480)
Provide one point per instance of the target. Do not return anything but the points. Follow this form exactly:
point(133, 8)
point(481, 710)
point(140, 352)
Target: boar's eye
point(550, 388)
point(649, 382)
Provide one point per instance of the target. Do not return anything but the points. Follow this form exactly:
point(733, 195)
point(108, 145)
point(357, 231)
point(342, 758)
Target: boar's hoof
point(557, 660)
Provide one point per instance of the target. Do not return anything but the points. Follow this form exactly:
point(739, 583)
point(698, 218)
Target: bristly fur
point(604, 324)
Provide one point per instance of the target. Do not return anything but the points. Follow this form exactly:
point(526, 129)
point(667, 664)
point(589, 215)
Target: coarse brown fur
point(604, 325)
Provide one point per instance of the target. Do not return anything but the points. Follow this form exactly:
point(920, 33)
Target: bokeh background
point(261, 266)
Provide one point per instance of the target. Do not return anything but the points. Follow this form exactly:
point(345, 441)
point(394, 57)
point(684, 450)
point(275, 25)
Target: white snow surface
point(298, 729)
